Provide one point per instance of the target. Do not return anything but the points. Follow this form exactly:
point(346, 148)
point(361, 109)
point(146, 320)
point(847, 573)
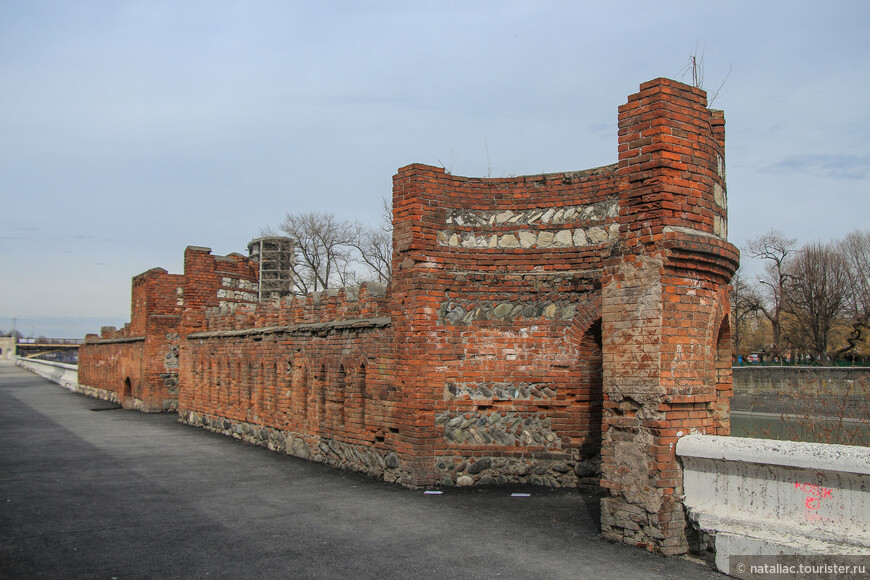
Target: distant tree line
point(810, 304)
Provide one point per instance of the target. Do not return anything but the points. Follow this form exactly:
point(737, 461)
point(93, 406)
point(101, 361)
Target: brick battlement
point(368, 301)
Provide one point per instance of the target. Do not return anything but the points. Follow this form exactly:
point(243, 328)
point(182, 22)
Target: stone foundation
point(382, 464)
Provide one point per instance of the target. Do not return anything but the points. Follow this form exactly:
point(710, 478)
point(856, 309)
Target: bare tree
point(375, 244)
point(323, 254)
point(776, 250)
point(331, 252)
point(745, 304)
point(696, 67)
point(855, 250)
point(817, 296)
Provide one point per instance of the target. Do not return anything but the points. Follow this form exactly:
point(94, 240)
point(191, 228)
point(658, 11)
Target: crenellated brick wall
point(310, 376)
point(138, 365)
point(561, 329)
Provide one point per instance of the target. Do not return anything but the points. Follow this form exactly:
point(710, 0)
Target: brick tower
point(666, 339)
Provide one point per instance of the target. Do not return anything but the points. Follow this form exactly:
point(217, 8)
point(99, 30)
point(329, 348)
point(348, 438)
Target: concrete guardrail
point(66, 375)
point(756, 497)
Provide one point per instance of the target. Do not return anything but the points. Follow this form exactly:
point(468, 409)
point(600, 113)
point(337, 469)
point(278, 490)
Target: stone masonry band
point(496, 236)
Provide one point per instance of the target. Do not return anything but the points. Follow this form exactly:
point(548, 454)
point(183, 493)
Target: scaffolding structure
point(275, 256)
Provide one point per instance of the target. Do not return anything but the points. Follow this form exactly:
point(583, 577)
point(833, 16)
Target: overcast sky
point(132, 129)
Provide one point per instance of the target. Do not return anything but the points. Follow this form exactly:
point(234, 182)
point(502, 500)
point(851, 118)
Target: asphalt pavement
point(91, 491)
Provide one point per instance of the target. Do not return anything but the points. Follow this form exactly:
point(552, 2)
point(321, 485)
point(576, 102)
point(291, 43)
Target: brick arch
point(209, 397)
point(297, 393)
point(586, 314)
point(275, 372)
point(192, 393)
point(719, 314)
point(309, 378)
point(127, 397)
point(339, 396)
point(235, 376)
point(262, 380)
point(590, 449)
point(721, 365)
point(356, 394)
point(585, 338)
point(221, 383)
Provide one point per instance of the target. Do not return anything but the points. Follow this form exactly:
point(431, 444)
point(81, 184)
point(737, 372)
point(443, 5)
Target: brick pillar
point(664, 310)
point(416, 295)
point(158, 389)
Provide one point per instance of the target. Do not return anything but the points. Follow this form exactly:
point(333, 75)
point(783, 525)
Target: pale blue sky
point(131, 129)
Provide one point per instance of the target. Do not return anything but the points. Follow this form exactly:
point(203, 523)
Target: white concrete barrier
point(767, 498)
point(66, 375)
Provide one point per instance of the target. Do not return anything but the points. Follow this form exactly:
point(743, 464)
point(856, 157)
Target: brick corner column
point(664, 310)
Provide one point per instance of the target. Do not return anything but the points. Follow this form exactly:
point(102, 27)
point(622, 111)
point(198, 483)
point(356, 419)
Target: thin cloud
point(828, 166)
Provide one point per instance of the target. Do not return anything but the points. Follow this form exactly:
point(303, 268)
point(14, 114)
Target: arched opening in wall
point(274, 400)
point(592, 400)
point(226, 382)
point(127, 400)
point(724, 390)
point(219, 384)
point(340, 393)
point(287, 392)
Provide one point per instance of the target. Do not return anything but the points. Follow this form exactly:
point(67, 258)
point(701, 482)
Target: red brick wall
point(312, 377)
point(109, 364)
point(139, 364)
point(544, 329)
point(498, 348)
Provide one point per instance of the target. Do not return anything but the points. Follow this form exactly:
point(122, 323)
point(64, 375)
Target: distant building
point(275, 256)
point(7, 347)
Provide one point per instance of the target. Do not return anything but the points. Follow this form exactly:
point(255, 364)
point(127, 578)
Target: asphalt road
point(88, 491)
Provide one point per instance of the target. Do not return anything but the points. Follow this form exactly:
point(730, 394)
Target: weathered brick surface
point(140, 363)
point(312, 377)
point(665, 310)
point(561, 329)
point(498, 351)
